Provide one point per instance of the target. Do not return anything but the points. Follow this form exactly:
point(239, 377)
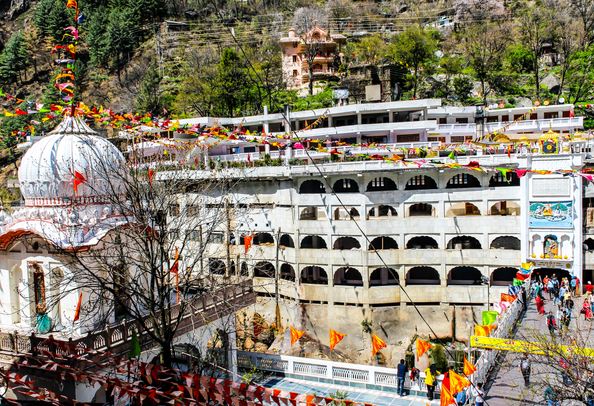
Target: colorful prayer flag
point(335, 338)
point(508, 298)
point(489, 317)
point(295, 335)
point(422, 348)
point(483, 331)
point(378, 343)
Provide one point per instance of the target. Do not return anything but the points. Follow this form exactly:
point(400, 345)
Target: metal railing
point(505, 329)
point(330, 371)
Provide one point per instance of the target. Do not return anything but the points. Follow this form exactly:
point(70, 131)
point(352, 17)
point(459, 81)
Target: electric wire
point(436, 337)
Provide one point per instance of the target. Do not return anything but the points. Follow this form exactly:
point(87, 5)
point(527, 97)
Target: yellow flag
point(7, 114)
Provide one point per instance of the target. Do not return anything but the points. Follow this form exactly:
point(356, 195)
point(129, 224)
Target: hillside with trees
point(187, 58)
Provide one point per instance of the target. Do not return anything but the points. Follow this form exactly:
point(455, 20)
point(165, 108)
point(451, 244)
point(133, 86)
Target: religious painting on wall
point(550, 147)
point(551, 246)
point(551, 215)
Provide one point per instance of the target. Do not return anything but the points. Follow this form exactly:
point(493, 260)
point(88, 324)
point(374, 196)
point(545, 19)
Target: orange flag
point(377, 344)
point(78, 179)
point(469, 369)
point(457, 382)
point(77, 312)
point(247, 241)
point(446, 396)
point(508, 298)
point(335, 338)
point(483, 331)
point(422, 348)
point(295, 335)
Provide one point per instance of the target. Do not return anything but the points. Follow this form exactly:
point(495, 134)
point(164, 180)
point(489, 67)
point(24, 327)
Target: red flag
point(78, 179)
point(571, 115)
point(175, 266)
point(521, 276)
point(151, 173)
point(20, 112)
point(77, 312)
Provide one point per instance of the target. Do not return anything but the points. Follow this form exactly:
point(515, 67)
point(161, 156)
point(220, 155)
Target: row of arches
point(388, 243)
point(419, 275)
point(503, 208)
point(419, 182)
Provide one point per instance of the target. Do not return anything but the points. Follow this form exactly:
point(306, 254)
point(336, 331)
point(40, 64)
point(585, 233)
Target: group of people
point(561, 293)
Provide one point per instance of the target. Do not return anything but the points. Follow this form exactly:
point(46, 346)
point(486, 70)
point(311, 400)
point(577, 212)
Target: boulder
point(551, 82)
point(266, 337)
point(248, 345)
point(260, 347)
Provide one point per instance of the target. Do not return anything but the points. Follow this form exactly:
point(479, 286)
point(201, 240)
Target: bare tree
point(304, 21)
point(148, 253)
point(478, 11)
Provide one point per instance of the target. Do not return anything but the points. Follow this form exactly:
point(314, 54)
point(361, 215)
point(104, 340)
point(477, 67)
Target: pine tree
point(42, 14)
point(96, 36)
point(13, 59)
point(149, 97)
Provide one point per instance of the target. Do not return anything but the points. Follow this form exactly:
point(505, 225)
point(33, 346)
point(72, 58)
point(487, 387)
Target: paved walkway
point(506, 386)
point(355, 394)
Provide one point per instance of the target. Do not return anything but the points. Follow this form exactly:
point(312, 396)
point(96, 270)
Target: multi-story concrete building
point(318, 45)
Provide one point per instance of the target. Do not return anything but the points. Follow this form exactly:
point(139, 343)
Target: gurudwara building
point(340, 241)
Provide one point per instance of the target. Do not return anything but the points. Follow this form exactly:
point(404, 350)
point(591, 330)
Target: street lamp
point(486, 281)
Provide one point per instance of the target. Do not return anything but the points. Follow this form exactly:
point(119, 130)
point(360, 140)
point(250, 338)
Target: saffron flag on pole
point(78, 179)
point(483, 331)
point(247, 240)
point(457, 382)
point(378, 343)
point(446, 398)
point(469, 369)
point(422, 348)
point(508, 298)
point(175, 266)
point(77, 312)
point(489, 317)
point(335, 338)
point(295, 335)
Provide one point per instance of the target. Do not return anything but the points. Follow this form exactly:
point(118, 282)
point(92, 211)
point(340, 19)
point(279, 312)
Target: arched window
point(463, 209)
point(463, 180)
point(314, 275)
point(503, 276)
point(589, 244)
point(422, 275)
point(464, 275)
point(287, 241)
point(345, 186)
point(421, 243)
point(383, 277)
point(313, 242)
point(383, 243)
point(505, 208)
point(551, 246)
point(464, 242)
point(348, 277)
point(499, 180)
point(346, 243)
point(506, 242)
point(287, 272)
point(263, 239)
point(216, 266)
point(382, 211)
point(264, 269)
point(420, 209)
point(312, 186)
point(312, 213)
point(420, 182)
point(381, 185)
point(341, 214)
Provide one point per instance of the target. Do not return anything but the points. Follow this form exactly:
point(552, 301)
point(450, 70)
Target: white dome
point(46, 174)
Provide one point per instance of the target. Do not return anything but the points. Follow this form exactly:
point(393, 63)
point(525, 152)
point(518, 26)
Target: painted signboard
point(551, 214)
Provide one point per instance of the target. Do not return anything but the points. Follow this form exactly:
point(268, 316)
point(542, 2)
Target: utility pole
point(227, 245)
point(276, 277)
